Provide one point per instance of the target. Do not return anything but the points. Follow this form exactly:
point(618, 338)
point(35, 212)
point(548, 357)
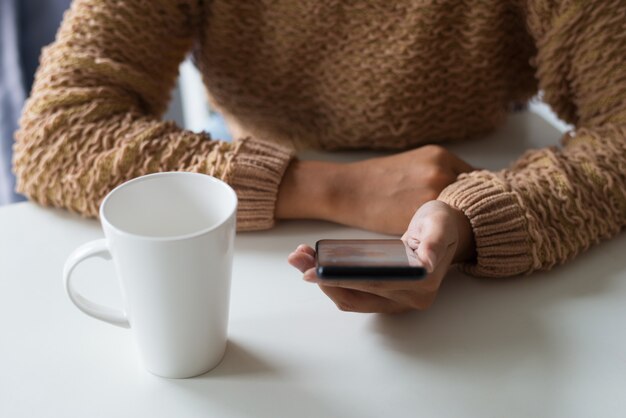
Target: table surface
point(546, 345)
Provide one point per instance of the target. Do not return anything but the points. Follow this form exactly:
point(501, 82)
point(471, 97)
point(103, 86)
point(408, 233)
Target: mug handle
point(97, 248)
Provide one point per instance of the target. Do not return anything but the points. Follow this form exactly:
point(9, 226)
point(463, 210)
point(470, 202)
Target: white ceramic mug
point(171, 237)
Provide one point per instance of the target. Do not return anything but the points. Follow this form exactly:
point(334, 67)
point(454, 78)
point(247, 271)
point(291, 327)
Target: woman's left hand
point(439, 235)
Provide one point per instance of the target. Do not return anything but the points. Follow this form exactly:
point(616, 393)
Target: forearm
point(75, 166)
point(93, 118)
point(554, 203)
point(547, 208)
point(379, 194)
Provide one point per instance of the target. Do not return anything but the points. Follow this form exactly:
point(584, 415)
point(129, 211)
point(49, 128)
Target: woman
point(348, 74)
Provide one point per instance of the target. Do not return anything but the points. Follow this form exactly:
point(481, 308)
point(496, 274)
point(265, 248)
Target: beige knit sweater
point(342, 74)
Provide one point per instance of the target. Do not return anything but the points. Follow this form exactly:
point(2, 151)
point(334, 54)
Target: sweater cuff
point(503, 244)
point(258, 169)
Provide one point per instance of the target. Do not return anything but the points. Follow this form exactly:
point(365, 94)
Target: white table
point(549, 345)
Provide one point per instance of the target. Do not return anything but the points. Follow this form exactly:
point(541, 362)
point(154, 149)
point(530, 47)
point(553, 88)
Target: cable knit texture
point(338, 74)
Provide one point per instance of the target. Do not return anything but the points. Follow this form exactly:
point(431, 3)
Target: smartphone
point(367, 259)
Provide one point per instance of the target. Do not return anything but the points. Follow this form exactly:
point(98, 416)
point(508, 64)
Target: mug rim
point(223, 184)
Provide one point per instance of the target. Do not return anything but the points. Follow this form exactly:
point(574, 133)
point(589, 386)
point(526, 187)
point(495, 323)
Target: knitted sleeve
point(554, 203)
point(93, 118)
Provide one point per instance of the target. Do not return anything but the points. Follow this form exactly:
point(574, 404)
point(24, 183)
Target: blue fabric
point(25, 27)
point(217, 128)
point(11, 95)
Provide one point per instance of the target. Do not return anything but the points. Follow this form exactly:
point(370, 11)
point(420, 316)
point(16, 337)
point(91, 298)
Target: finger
point(349, 300)
point(414, 230)
point(444, 264)
point(302, 261)
point(306, 249)
point(302, 258)
point(434, 242)
point(412, 241)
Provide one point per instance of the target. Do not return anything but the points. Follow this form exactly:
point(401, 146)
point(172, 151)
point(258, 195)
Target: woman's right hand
point(379, 194)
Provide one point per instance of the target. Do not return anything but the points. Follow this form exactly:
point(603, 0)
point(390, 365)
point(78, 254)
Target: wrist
point(307, 190)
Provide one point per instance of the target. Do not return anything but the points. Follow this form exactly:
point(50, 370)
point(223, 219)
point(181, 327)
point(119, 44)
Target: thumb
point(431, 249)
point(435, 238)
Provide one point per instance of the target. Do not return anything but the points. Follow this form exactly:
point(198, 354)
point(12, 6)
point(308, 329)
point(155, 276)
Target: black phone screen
point(366, 258)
